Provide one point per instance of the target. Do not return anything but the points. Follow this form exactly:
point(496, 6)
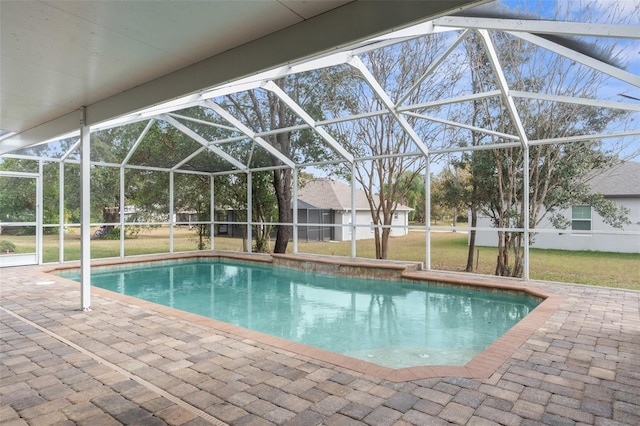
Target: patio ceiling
point(118, 57)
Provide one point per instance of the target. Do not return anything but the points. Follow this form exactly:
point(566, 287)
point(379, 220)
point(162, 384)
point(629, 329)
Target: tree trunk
point(472, 240)
point(201, 231)
point(386, 232)
point(518, 261)
point(377, 240)
point(518, 252)
point(282, 186)
point(499, 261)
point(111, 215)
point(502, 268)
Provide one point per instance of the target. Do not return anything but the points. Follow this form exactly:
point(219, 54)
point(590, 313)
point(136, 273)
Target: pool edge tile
point(482, 365)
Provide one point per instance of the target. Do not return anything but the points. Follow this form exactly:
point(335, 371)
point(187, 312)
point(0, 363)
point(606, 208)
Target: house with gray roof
point(588, 231)
point(324, 213)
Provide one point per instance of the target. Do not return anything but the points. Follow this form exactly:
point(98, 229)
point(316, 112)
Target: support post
point(526, 191)
point(39, 210)
point(249, 210)
point(427, 214)
point(122, 218)
point(353, 210)
point(85, 212)
point(295, 210)
point(172, 220)
point(61, 212)
point(212, 211)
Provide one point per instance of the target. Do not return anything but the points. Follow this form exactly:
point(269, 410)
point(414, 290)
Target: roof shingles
point(326, 193)
point(620, 180)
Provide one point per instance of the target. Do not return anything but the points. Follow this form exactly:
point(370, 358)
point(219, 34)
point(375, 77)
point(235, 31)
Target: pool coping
point(483, 365)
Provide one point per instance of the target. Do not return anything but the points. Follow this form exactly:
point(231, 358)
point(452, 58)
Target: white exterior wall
point(364, 229)
point(578, 240)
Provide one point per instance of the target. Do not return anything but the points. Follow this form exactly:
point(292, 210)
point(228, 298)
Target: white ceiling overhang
point(119, 57)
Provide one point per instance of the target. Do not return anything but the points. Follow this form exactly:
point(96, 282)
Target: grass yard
point(448, 252)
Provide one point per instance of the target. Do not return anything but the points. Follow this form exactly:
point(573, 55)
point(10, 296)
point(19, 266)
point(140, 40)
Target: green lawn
point(448, 252)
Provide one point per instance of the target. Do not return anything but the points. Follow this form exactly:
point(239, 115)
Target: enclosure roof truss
point(532, 31)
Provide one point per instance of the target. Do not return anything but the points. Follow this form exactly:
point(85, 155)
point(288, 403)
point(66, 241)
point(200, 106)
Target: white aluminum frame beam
point(579, 138)
point(434, 66)
point(611, 70)
point(189, 157)
point(212, 213)
point(122, 210)
point(196, 137)
point(540, 26)
point(357, 63)
point(427, 215)
point(243, 85)
point(463, 126)
point(249, 210)
point(61, 204)
point(70, 150)
point(228, 140)
point(272, 87)
point(172, 221)
point(205, 122)
point(574, 100)
point(503, 86)
point(515, 116)
point(85, 213)
point(133, 148)
point(249, 133)
point(472, 148)
point(258, 80)
point(8, 173)
point(294, 203)
point(39, 211)
point(447, 101)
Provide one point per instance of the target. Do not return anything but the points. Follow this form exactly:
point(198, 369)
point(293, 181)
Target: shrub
point(7, 246)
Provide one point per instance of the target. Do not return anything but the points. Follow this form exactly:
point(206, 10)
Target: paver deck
point(127, 362)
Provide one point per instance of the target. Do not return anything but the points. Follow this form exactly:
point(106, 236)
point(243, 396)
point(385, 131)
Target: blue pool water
point(395, 324)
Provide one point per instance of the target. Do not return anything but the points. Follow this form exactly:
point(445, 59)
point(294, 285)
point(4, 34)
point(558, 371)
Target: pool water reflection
point(390, 323)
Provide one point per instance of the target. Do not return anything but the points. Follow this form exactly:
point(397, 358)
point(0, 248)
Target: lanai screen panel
point(453, 85)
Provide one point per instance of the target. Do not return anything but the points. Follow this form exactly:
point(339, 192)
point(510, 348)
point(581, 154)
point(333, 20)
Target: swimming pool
point(391, 323)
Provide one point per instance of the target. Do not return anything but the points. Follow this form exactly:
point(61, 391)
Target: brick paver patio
point(126, 362)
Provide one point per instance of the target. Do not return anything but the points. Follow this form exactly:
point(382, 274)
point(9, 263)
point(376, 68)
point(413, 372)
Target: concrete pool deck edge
point(482, 365)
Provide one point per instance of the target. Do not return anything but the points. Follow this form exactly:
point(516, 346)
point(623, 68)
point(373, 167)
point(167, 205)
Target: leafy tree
point(191, 194)
point(264, 209)
point(452, 188)
point(18, 195)
point(557, 172)
point(414, 196)
point(145, 189)
point(263, 111)
point(388, 177)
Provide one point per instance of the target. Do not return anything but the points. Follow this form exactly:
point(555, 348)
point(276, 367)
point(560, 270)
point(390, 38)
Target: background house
point(328, 202)
point(324, 214)
point(185, 217)
point(588, 231)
